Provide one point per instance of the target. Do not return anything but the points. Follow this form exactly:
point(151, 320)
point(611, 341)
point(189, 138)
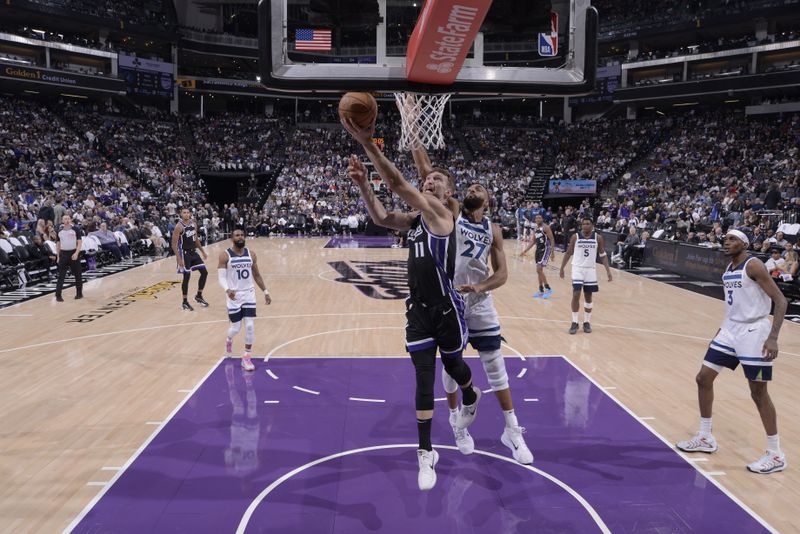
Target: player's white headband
point(738, 234)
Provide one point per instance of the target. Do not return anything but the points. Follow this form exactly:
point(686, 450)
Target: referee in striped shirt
point(68, 246)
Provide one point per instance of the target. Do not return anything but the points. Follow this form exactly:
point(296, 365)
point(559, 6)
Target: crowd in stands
point(687, 178)
point(82, 165)
point(139, 12)
point(240, 142)
point(714, 45)
point(618, 17)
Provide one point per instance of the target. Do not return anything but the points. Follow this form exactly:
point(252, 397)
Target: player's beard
point(472, 203)
point(239, 244)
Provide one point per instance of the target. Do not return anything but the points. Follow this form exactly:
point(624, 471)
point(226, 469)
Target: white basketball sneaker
point(247, 364)
point(466, 415)
point(427, 475)
point(699, 443)
point(771, 462)
point(512, 438)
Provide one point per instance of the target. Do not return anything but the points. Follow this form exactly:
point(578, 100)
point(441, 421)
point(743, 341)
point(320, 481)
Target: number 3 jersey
point(473, 242)
point(745, 301)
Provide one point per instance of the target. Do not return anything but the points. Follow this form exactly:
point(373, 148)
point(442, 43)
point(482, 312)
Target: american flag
point(307, 39)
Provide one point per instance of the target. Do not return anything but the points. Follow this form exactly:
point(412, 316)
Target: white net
point(421, 122)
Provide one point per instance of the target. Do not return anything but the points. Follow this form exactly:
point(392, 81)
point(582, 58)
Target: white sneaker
point(427, 475)
point(699, 443)
point(771, 462)
point(464, 441)
point(466, 415)
point(512, 438)
point(247, 364)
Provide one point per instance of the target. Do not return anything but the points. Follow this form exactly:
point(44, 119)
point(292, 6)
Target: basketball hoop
point(421, 122)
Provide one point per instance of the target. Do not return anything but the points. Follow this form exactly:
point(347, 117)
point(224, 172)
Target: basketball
point(361, 107)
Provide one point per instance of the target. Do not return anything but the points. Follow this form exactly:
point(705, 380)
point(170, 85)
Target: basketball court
point(130, 420)
point(122, 415)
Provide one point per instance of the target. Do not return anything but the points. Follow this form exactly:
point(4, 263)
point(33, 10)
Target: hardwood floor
point(84, 383)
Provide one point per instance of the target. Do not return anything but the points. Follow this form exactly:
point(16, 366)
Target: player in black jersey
point(435, 310)
point(545, 246)
point(185, 244)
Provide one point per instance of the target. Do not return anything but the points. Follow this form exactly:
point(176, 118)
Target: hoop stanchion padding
point(421, 123)
point(441, 39)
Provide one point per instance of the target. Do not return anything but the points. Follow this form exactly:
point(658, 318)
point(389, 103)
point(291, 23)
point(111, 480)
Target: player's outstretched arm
point(222, 274)
point(198, 243)
point(758, 272)
point(549, 233)
point(601, 244)
point(389, 173)
point(259, 280)
point(499, 266)
point(393, 219)
point(568, 254)
point(176, 235)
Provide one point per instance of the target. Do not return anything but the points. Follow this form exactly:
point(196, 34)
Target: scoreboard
point(146, 77)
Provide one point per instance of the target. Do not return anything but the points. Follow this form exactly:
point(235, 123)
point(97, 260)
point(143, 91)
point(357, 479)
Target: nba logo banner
point(548, 42)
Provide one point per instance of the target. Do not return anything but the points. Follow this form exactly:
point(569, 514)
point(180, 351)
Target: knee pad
point(450, 385)
point(425, 366)
point(495, 367)
point(456, 367)
point(249, 330)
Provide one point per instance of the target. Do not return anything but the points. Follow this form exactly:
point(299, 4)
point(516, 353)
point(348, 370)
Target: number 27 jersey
point(473, 243)
point(240, 271)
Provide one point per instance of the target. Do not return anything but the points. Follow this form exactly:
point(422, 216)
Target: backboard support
point(575, 76)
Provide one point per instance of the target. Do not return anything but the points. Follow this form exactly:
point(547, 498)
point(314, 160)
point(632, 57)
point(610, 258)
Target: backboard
point(332, 46)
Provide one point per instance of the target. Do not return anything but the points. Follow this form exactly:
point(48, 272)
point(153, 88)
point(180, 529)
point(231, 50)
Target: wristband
point(266, 292)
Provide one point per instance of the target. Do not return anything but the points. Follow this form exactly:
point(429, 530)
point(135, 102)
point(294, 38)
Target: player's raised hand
point(356, 171)
point(362, 135)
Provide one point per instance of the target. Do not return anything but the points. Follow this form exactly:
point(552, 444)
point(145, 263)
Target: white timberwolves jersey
point(473, 241)
point(745, 301)
point(240, 271)
point(585, 255)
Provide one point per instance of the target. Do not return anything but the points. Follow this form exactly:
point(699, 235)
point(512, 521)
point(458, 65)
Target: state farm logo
point(452, 38)
point(441, 68)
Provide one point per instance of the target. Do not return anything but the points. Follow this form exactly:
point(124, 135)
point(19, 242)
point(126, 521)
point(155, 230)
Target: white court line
point(186, 325)
point(647, 418)
point(609, 387)
point(531, 400)
point(487, 390)
point(109, 468)
point(694, 459)
point(304, 390)
point(184, 391)
point(302, 315)
point(439, 399)
point(263, 495)
point(515, 351)
point(671, 446)
point(273, 351)
point(522, 373)
point(153, 422)
point(96, 483)
point(271, 402)
point(715, 473)
point(138, 452)
point(366, 400)
point(271, 374)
